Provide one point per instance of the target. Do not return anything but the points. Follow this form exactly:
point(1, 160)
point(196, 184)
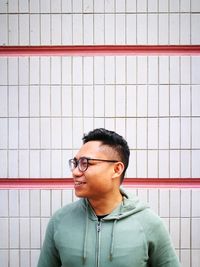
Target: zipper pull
point(98, 227)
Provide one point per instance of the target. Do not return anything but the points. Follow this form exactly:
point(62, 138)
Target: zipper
point(98, 243)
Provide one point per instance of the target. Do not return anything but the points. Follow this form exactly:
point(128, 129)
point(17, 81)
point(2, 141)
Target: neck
point(105, 205)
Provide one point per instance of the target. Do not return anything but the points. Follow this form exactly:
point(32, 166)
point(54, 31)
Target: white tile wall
point(46, 103)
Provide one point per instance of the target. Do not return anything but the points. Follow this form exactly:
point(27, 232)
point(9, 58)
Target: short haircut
point(112, 140)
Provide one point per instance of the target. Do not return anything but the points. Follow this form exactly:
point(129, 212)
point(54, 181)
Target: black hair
point(113, 140)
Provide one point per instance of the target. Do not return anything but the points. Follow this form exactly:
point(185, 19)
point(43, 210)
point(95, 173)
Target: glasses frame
point(77, 162)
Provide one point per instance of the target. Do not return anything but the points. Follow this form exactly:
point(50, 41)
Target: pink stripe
point(85, 50)
point(67, 183)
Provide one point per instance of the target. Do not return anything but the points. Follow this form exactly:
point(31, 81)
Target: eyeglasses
point(83, 163)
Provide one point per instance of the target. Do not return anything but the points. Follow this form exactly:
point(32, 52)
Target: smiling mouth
point(77, 183)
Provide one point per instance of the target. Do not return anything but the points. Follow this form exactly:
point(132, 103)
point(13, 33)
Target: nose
point(76, 172)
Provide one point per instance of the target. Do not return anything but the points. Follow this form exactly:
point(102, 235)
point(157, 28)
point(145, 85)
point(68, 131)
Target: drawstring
point(112, 240)
point(85, 239)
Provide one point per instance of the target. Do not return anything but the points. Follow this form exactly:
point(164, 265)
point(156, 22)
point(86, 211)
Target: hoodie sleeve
point(161, 250)
point(49, 256)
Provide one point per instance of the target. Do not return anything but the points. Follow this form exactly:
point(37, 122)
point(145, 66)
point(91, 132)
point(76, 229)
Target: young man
point(105, 227)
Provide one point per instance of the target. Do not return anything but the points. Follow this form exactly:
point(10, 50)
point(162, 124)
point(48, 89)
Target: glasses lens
point(72, 164)
point(83, 164)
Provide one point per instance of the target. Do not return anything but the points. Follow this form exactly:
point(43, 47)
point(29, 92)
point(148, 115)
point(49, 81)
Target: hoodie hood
point(128, 207)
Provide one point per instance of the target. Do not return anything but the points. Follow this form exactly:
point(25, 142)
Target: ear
point(118, 169)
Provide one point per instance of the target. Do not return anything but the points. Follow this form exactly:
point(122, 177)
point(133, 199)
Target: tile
point(13, 164)
point(175, 163)
point(195, 164)
point(55, 29)
point(45, 28)
point(152, 133)
point(34, 29)
point(77, 101)
point(152, 164)
point(141, 29)
point(120, 70)
point(110, 124)
point(109, 6)
point(120, 101)
point(131, 27)
point(175, 231)
point(141, 164)
point(56, 6)
point(45, 162)
point(4, 259)
point(66, 155)
point(175, 133)
point(195, 24)
point(185, 233)
point(56, 168)
point(185, 6)
point(34, 133)
point(195, 233)
point(24, 233)
point(195, 6)
point(34, 70)
point(164, 202)
point(109, 29)
point(163, 6)
point(66, 101)
point(120, 28)
point(175, 203)
point(66, 6)
point(13, 34)
point(24, 257)
point(121, 126)
point(14, 233)
point(34, 257)
point(13, 100)
point(109, 105)
point(131, 70)
point(110, 77)
point(56, 100)
point(174, 33)
point(175, 99)
point(174, 71)
point(152, 99)
point(13, 203)
point(35, 164)
point(77, 24)
point(3, 133)
point(34, 98)
point(77, 133)
point(143, 194)
point(45, 97)
point(153, 199)
point(152, 27)
point(195, 257)
point(45, 133)
point(56, 201)
point(77, 71)
point(185, 68)
point(66, 70)
point(131, 171)
point(45, 6)
point(67, 29)
point(24, 29)
point(3, 6)
point(23, 163)
point(4, 32)
point(56, 133)
point(35, 233)
point(163, 164)
point(23, 71)
point(142, 70)
point(13, 133)
point(131, 132)
point(164, 100)
point(142, 6)
point(100, 34)
point(99, 70)
point(185, 203)
point(195, 200)
point(163, 133)
point(55, 70)
point(142, 101)
point(88, 75)
point(174, 6)
point(24, 101)
point(77, 6)
point(4, 201)
point(163, 28)
point(195, 66)
point(88, 6)
point(13, 71)
point(88, 104)
point(88, 29)
point(195, 100)
point(163, 62)
point(45, 203)
point(185, 100)
point(195, 132)
point(185, 26)
point(185, 133)
point(44, 223)
point(131, 101)
point(4, 233)
point(34, 6)
point(3, 164)
point(66, 196)
point(4, 71)
point(35, 203)
point(24, 203)
point(14, 258)
point(24, 133)
point(142, 133)
point(185, 164)
point(120, 5)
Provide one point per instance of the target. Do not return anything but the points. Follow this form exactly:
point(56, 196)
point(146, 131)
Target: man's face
point(96, 181)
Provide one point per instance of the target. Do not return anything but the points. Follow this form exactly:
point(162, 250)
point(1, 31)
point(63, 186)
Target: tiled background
point(47, 103)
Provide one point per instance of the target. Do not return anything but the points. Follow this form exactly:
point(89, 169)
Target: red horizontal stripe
point(48, 183)
point(86, 50)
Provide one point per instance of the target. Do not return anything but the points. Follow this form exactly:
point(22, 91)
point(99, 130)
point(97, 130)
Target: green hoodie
point(131, 236)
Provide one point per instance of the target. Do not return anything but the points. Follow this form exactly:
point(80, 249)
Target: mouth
point(79, 183)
